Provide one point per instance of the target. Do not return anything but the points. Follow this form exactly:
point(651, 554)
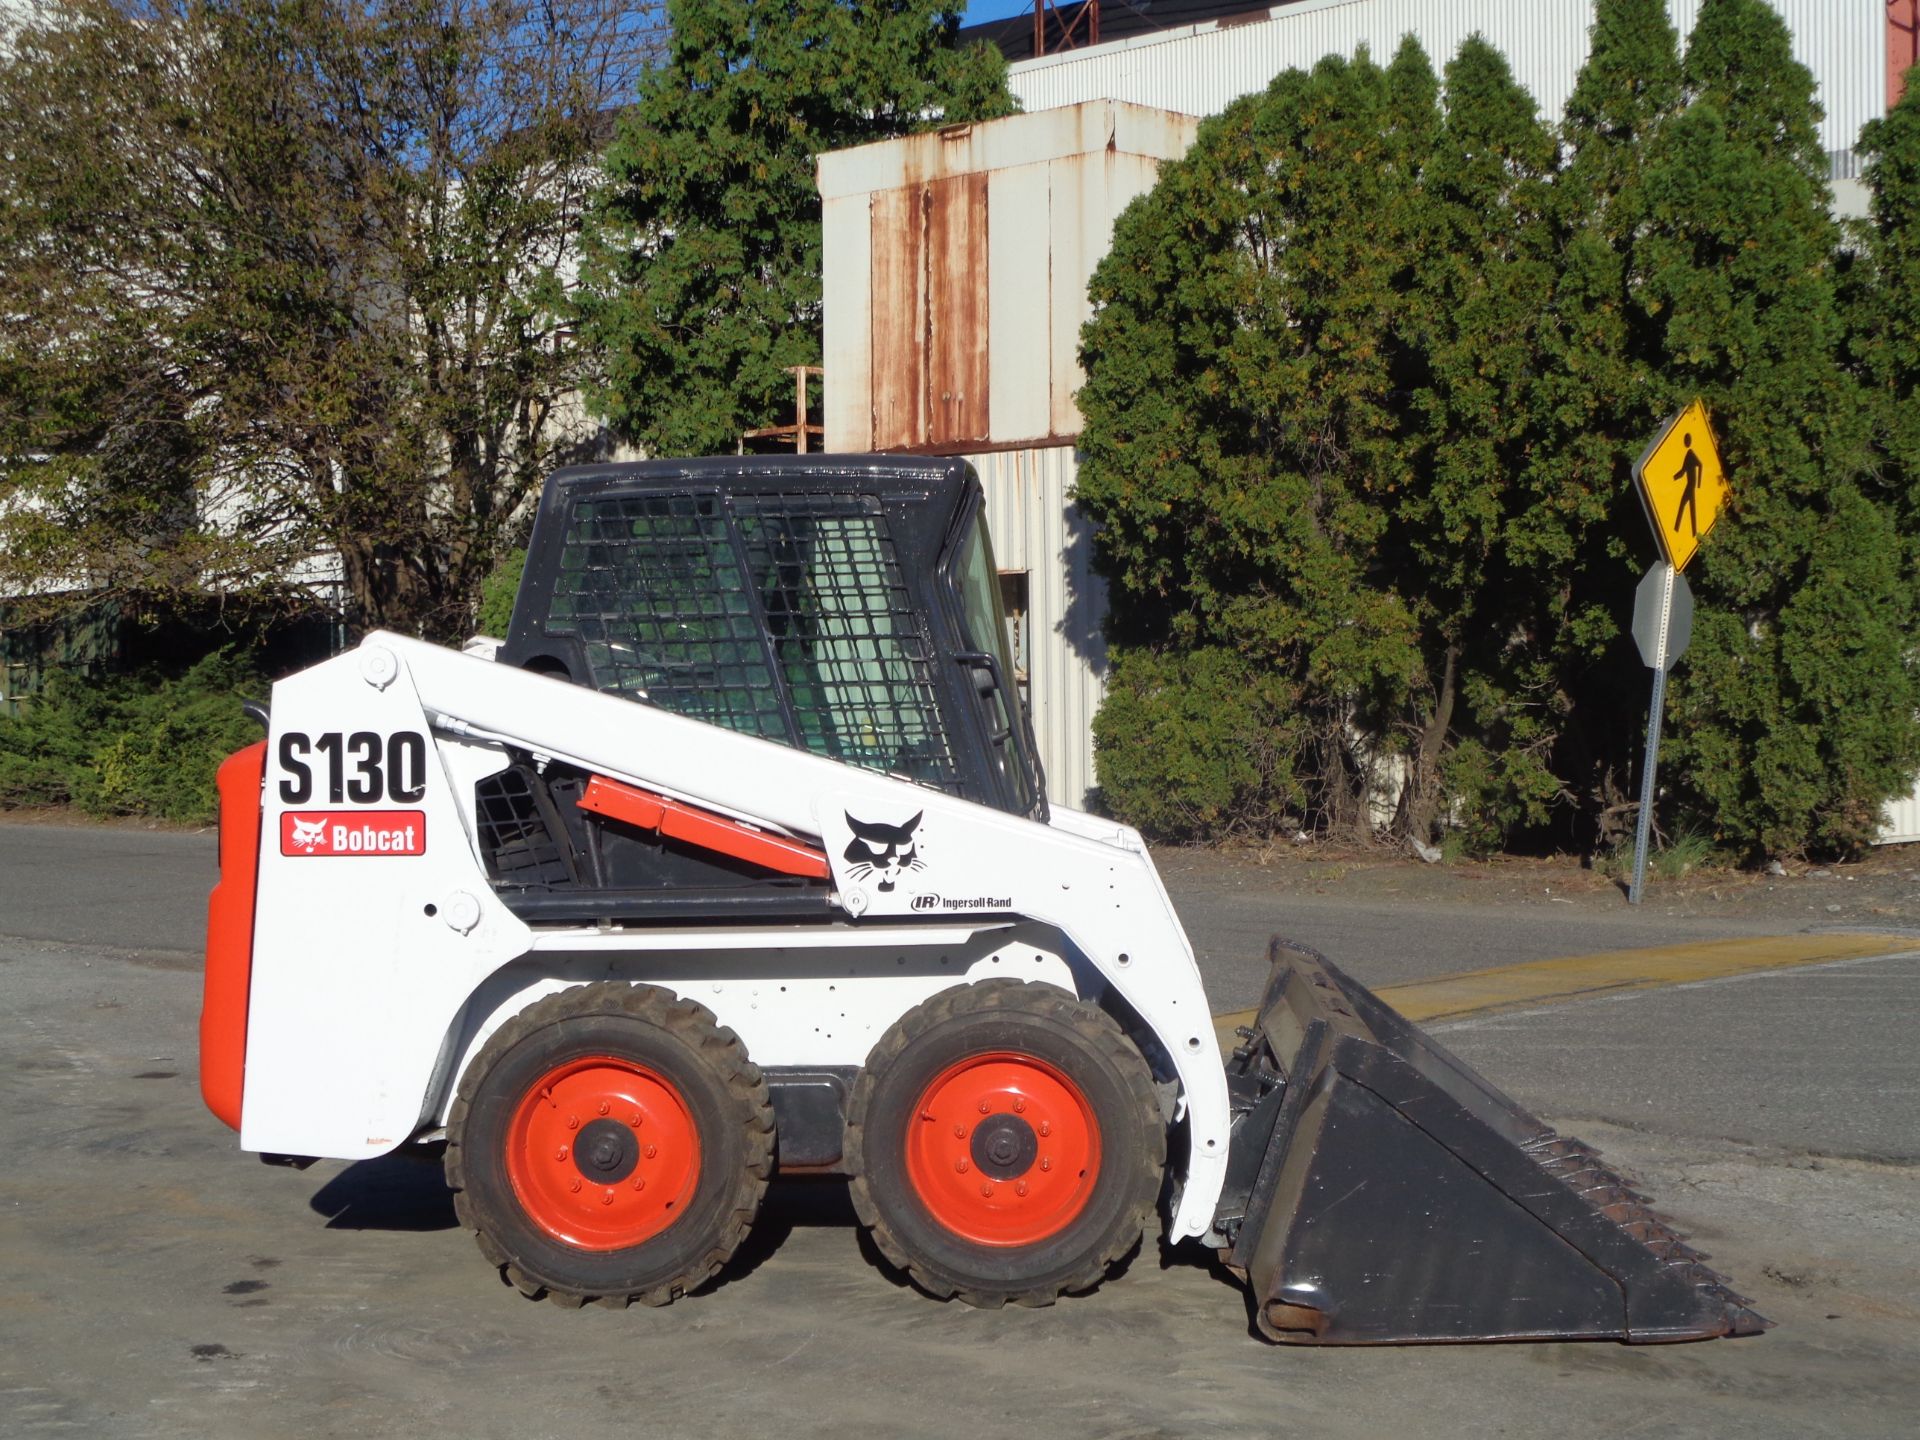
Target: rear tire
point(610, 1143)
point(1041, 1193)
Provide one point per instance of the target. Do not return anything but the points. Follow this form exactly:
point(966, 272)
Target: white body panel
point(365, 1007)
point(353, 982)
point(796, 996)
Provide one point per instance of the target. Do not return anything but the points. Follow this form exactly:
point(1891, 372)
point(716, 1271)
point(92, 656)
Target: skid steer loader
point(735, 855)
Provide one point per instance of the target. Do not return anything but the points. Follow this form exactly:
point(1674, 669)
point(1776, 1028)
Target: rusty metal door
point(929, 314)
point(899, 318)
point(957, 309)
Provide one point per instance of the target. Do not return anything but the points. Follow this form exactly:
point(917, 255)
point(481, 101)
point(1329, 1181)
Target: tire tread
point(1094, 1027)
point(695, 1026)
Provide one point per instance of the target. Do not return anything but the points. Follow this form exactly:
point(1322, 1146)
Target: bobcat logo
point(888, 851)
point(309, 833)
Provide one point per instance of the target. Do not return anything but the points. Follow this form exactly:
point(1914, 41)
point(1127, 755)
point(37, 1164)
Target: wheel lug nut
point(1021, 1188)
point(607, 1199)
point(1046, 1164)
point(652, 1150)
point(561, 1153)
point(573, 1122)
point(1019, 1107)
point(574, 1187)
point(959, 1132)
point(961, 1166)
point(636, 1118)
point(985, 1109)
point(605, 1108)
point(1045, 1129)
point(987, 1190)
point(638, 1183)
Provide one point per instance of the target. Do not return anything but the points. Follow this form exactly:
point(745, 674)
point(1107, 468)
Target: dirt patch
point(1879, 891)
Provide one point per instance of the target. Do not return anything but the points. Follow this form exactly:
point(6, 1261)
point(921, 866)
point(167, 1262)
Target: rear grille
point(515, 843)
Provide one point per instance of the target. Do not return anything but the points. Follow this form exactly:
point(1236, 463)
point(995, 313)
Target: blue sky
point(980, 10)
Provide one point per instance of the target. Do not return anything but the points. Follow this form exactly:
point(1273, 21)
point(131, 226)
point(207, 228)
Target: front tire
point(1005, 1143)
point(610, 1143)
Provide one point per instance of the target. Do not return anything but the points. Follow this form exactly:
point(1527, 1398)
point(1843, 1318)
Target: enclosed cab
point(845, 606)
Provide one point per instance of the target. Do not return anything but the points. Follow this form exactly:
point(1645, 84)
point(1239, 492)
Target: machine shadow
point(1206, 1259)
point(392, 1192)
point(792, 1203)
point(398, 1193)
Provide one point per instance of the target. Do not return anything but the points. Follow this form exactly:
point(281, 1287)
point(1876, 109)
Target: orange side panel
point(223, 1000)
point(703, 828)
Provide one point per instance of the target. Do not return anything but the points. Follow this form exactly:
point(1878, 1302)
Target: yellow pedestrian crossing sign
point(1682, 484)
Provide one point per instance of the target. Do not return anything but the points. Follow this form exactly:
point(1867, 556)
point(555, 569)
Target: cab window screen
point(843, 629)
point(654, 589)
point(783, 616)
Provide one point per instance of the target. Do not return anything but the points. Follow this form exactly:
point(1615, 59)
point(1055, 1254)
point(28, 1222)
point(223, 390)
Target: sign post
point(1684, 488)
point(1662, 626)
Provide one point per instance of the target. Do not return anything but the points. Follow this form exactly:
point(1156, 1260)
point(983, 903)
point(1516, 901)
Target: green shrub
point(1683, 854)
point(146, 744)
point(1197, 744)
point(497, 592)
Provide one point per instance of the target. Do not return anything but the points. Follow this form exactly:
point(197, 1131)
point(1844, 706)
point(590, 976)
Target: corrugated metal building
point(1200, 68)
point(956, 270)
point(956, 264)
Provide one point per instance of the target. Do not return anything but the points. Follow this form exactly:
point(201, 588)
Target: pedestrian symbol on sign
point(1690, 469)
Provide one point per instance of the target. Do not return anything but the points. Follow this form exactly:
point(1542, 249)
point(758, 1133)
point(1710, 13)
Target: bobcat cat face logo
point(888, 851)
point(308, 833)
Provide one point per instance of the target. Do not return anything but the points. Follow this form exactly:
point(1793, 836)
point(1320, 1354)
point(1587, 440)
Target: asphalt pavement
point(145, 891)
point(110, 886)
point(161, 1283)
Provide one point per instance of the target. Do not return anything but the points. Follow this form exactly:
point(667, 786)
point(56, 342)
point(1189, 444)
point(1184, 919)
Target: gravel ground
point(1881, 890)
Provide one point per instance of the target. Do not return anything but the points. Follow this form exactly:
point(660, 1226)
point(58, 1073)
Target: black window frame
point(930, 507)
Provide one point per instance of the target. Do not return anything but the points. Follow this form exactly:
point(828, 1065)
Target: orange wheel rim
point(603, 1153)
point(1003, 1149)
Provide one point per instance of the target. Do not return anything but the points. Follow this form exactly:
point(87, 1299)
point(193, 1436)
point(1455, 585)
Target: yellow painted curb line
point(1579, 977)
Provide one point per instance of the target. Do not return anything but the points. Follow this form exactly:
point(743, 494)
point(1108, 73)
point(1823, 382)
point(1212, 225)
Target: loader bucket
point(1400, 1197)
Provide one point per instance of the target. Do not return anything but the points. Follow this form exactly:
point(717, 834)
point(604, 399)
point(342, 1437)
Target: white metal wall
point(1900, 820)
point(1038, 530)
point(1200, 69)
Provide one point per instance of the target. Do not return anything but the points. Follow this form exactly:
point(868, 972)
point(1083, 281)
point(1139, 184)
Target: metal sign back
point(1647, 616)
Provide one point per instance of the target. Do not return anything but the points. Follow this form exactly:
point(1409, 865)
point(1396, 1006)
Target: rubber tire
point(1082, 1042)
point(682, 1042)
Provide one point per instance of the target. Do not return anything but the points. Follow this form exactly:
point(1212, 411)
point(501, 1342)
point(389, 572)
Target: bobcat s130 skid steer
point(735, 856)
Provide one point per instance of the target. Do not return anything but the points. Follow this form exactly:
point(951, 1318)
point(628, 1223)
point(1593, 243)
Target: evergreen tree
point(1631, 81)
point(1243, 433)
point(1465, 524)
point(1366, 383)
point(1794, 716)
point(703, 282)
point(1591, 411)
point(1882, 288)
